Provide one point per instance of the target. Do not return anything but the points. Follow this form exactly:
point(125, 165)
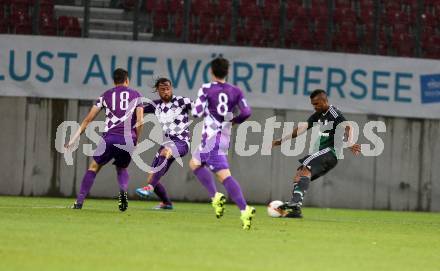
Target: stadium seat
point(68, 22)
point(2, 10)
point(19, 2)
point(366, 16)
point(149, 6)
point(206, 24)
point(193, 36)
point(47, 25)
point(226, 7)
point(160, 7)
point(391, 6)
point(19, 20)
point(3, 27)
point(365, 5)
point(3, 19)
point(72, 32)
point(428, 20)
point(47, 9)
point(319, 13)
point(128, 4)
point(178, 26)
point(271, 10)
point(160, 22)
point(382, 48)
point(251, 10)
point(176, 6)
point(210, 35)
point(344, 15)
point(403, 44)
point(297, 14)
point(20, 9)
point(69, 26)
point(242, 36)
point(431, 47)
point(315, 3)
point(42, 2)
point(224, 32)
point(344, 42)
point(202, 7)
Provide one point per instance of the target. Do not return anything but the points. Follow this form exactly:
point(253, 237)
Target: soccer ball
point(273, 209)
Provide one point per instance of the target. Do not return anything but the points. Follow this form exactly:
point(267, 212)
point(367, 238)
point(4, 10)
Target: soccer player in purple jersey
point(172, 113)
point(216, 102)
point(122, 105)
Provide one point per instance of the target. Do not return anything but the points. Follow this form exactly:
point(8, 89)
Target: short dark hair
point(220, 67)
point(317, 92)
point(119, 76)
point(161, 80)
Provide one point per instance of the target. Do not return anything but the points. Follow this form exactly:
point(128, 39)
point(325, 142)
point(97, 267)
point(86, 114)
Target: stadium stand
point(398, 28)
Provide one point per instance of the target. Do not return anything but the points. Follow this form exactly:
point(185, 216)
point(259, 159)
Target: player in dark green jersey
point(319, 163)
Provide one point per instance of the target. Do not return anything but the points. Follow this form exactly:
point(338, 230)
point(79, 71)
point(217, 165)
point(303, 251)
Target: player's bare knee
point(193, 164)
point(222, 174)
point(305, 171)
point(302, 171)
point(166, 152)
point(95, 167)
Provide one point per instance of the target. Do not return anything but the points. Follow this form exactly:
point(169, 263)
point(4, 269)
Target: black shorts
point(319, 162)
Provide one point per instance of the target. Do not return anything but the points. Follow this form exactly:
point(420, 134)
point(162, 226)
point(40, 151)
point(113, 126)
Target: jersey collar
point(330, 106)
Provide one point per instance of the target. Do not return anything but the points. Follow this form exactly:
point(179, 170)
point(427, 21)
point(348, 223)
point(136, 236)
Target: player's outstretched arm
point(139, 122)
point(300, 129)
point(89, 118)
point(245, 112)
point(348, 136)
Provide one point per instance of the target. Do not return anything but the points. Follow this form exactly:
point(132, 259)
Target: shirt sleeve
point(99, 102)
point(188, 104)
point(150, 107)
point(312, 119)
point(339, 119)
point(200, 104)
point(245, 110)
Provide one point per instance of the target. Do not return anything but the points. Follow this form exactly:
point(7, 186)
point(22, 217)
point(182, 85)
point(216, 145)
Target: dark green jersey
point(327, 135)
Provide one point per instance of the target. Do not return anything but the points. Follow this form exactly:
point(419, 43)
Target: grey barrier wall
point(406, 176)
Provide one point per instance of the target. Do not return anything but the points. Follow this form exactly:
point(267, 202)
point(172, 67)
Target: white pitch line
point(34, 207)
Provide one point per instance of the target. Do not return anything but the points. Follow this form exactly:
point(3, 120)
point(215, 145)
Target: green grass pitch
point(42, 234)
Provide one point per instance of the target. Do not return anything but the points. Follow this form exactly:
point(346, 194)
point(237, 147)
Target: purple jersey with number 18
point(120, 103)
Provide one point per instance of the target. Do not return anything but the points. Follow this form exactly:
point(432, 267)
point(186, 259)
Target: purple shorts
point(109, 151)
point(216, 160)
point(179, 148)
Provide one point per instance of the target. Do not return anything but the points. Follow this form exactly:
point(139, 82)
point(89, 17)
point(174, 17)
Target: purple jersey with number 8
point(217, 102)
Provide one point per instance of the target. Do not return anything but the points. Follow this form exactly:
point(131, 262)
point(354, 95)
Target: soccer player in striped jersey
point(216, 103)
point(123, 108)
point(319, 163)
point(172, 113)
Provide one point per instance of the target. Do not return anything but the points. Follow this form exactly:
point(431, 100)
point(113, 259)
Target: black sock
point(300, 189)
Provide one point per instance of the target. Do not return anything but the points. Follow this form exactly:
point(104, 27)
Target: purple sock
point(160, 191)
point(205, 177)
point(156, 176)
point(123, 179)
point(234, 192)
point(86, 185)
